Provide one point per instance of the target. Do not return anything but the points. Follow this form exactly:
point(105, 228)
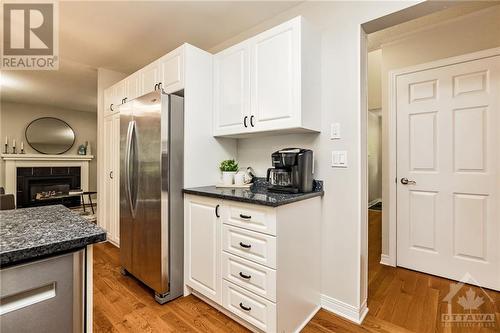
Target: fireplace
point(39, 186)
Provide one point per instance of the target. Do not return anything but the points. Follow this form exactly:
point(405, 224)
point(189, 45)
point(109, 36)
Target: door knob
point(405, 181)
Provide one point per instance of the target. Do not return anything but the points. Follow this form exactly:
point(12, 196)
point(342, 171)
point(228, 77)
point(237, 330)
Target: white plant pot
point(228, 177)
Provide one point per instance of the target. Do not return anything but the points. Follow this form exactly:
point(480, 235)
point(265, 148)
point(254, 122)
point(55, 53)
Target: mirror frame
point(41, 152)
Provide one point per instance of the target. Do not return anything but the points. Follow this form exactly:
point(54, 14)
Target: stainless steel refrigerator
point(151, 202)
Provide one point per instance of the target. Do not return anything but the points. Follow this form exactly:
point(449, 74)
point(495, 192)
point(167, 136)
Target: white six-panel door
point(448, 143)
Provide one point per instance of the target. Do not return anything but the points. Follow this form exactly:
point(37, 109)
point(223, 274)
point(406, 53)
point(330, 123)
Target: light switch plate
point(335, 131)
point(339, 159)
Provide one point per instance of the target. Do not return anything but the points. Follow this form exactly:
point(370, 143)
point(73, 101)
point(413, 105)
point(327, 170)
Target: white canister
point(239, 178)
point(228, 177)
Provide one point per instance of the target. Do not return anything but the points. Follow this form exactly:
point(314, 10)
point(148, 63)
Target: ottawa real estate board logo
point(30, 35)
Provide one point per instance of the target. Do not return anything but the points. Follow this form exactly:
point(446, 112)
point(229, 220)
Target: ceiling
point(124, 36)
point(376, 39)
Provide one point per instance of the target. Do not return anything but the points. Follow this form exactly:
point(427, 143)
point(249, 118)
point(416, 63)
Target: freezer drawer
point(44, 296)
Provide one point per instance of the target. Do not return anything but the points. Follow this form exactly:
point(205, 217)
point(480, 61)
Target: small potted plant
point(229, 169)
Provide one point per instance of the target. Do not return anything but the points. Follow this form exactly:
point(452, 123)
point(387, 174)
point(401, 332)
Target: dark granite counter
point(31, 233)
point(257, 194)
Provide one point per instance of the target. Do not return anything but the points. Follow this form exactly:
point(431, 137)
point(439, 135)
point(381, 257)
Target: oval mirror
point(50, 135)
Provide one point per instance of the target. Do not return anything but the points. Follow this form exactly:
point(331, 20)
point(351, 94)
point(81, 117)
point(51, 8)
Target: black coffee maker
point(292, 172)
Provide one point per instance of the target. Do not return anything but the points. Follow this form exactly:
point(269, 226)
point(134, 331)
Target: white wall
point(374, 156)
point(467, 34)
point(16, 116)
point(343, 260)
point(375, 79)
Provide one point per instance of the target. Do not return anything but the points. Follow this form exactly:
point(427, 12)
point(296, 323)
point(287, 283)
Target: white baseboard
point(344, 310)
point(386, 260)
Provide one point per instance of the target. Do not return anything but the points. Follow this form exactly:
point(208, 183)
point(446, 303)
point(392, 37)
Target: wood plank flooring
point(399, 300)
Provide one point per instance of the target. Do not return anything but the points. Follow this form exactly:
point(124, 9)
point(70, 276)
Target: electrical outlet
point(339, 159)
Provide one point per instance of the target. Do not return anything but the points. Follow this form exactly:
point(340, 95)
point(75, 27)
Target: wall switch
point(335, 131)
point(339, 159)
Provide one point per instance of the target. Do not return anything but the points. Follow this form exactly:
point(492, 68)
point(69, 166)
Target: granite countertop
point(256, 194)
point(31, 233)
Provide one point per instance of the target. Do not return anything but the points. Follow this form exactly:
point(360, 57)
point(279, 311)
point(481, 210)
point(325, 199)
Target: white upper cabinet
point(269, 82)
point(232, 90)
point(114, 96)
point(149, 78)
point(172, 71)
point(133, 87)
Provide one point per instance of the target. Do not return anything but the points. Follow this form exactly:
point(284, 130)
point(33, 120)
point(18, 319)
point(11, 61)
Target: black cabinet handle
point(245, 216)
point(156, 86)
point(159, 86)
point(217, 211)
point(246, 246)
point(111, 107)
point(244, 307)
point(111, 174)
point(245, 121)
point(251, 121)
point(245, 276)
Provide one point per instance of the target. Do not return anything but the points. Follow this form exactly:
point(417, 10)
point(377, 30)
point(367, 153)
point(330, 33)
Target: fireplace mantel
point(43, 157)
point(14, 161)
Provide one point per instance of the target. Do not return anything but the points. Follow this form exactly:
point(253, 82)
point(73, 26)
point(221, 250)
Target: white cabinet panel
point(172, 71)
point(232, 90)
point(202, 248)
point(275, 75)
point(133, 87)
point(149, 78)
point(111, 214)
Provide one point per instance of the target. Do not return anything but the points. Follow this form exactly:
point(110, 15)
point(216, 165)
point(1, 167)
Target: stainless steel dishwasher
point(44, 296)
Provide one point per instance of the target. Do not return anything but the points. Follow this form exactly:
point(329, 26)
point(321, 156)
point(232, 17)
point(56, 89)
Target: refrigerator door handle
point(133, 177)
point(128, 147)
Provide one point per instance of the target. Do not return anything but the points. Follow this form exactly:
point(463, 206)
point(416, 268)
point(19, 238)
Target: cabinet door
point(275, 77)
point(120, 91)
point(115, 177)
point(108, 214)
point(133, 90)
point(172, 71)
point(149, 78)
point(232, 91)
point(111, 101)
point(202, 247)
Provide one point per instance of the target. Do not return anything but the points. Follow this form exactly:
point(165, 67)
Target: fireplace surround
point(38, 186)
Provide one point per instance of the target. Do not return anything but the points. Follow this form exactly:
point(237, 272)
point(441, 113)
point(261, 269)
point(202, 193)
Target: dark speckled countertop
point(257, 194)
point(31, 233)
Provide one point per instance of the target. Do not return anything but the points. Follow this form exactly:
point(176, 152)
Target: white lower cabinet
point(259, 263)
point(202, 253)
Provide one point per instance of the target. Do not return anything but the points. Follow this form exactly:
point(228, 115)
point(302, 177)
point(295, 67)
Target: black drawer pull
point(244, 307)
point(245, 121)
point(251, 121)
point(217, 211)
point(246, 246)
point(245, 216)
point(245, 276)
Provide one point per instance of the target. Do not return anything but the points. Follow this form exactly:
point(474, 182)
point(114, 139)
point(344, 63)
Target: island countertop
point(257, 194)
point(32, 233)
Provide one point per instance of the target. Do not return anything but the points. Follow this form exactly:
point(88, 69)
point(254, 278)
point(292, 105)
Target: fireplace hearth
point(39, 186)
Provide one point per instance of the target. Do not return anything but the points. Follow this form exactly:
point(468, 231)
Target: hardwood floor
point(399, 300)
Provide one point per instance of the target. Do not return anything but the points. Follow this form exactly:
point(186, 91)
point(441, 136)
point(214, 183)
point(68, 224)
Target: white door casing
point(448, 223)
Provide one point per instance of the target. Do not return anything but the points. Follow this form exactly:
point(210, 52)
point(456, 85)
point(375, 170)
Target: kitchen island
point(46, 269)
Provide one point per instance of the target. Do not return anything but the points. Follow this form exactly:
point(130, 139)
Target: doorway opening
point(398, 295)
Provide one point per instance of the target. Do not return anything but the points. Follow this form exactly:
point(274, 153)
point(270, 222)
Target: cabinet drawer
point(251, 308)
point(251, 276)
point(261, 219)
point(250, 245)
